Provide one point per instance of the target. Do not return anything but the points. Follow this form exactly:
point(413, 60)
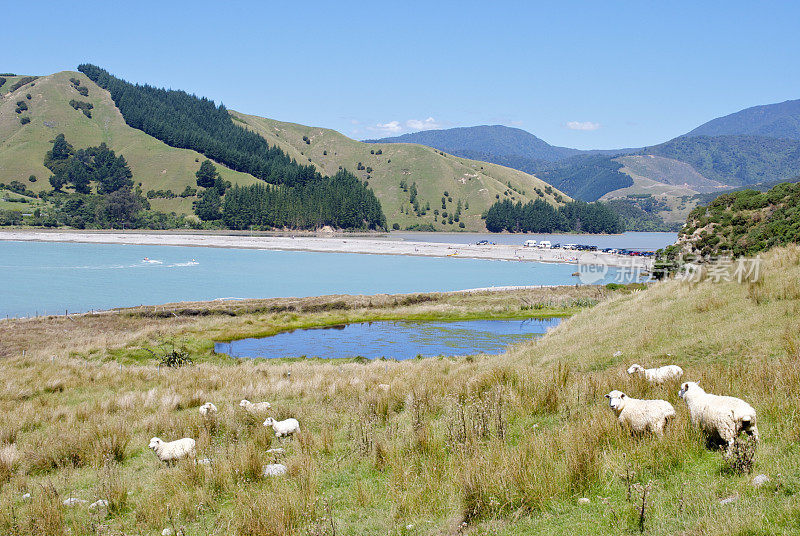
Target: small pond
point(392, 339)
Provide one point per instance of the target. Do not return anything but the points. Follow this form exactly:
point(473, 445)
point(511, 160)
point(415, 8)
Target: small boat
point(151, 261)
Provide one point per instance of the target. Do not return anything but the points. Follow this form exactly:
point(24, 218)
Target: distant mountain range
point(756, 145)
point(781, 120)
point(495, 140)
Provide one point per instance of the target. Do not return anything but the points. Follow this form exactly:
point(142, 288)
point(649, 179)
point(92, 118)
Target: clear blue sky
point(579, 74)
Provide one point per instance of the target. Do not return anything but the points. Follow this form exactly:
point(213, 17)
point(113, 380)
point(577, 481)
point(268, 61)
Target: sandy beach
point(335, 244)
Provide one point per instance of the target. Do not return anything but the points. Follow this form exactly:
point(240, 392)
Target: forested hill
point(182, 120)
point(780, 120)
point(485, 140)
point(735, 160)
point(744, 222)
point(188, 122)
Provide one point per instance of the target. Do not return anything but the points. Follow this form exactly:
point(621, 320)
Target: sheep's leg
point(729, 448)
point(659, 430)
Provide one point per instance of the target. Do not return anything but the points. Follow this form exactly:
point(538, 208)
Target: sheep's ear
point(608, 396)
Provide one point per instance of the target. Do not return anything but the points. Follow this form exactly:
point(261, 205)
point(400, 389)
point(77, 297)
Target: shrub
point(32, 178)
point(83, 90)
point(24, 120)
point(85, 107)
point(21, 82)
point(396, 226)
point(189, 191)
point(28, 96)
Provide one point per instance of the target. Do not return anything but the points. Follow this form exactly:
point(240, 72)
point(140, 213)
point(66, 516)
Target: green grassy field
point(476, 445)
point(474, 183)
point(154, 164)
point(10, 201)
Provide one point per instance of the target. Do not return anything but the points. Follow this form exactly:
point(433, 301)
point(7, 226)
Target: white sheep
point(258, 407)
point(657, 375)
point(283, 428)
point(641, 415)
point(208, 410)
point(720, 417)
point(173, 451)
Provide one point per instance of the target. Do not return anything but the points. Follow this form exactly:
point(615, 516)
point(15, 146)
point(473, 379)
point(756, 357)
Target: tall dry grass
point(504, 444)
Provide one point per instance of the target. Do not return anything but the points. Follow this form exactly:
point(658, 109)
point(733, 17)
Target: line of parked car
point(545, 244)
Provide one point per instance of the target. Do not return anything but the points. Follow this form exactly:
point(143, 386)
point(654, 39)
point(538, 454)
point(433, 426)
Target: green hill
point(153, 163)
point(158, 166)
point(385, 166)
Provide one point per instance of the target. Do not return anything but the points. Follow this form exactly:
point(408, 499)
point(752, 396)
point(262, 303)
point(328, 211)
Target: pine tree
point(207, 174)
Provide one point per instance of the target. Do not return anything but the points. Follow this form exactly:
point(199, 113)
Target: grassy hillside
point(475, 183)
point(487, 445)
point(11, 81)
point(153, 163)
point(682, 177)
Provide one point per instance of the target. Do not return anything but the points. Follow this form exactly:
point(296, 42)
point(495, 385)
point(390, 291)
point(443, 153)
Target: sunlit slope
point(154, 164)
point(474, 183)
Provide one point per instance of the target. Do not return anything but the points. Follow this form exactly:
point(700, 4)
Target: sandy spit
point(371, 246)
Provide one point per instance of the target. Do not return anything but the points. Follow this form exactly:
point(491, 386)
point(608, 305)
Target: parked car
point(530, 244)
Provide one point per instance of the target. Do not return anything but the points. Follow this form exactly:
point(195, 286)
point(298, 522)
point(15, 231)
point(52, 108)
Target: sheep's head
point(686, 387)
point(635, 368)
point(616, 400)
point(155, 443)
point(269, 422)
point(244, 403)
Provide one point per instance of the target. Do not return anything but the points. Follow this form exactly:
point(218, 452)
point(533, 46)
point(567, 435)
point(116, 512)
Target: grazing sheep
point(173, 451)
point(720, 417)
point(658, 375)
point(99, 506)
point(283, 428)
point(208, 410)
point(275, 469)
point(258, 407)
point(640, 415)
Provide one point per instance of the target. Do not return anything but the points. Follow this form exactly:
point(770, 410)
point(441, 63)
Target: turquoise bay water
point(392, 340)
point(49, 278)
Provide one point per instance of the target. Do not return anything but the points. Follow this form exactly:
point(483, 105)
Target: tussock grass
point(480, 445)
